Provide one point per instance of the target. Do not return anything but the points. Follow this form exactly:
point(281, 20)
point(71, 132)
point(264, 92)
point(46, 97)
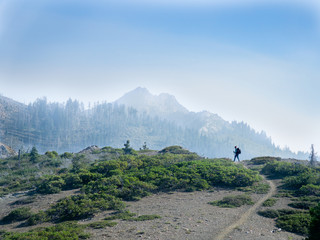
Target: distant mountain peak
point(142, 100)
point(138, 91)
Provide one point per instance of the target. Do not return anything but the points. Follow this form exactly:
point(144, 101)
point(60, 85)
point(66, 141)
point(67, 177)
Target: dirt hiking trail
point(247, 214)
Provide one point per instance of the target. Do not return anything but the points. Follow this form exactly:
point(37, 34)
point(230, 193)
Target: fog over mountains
point(139, 116)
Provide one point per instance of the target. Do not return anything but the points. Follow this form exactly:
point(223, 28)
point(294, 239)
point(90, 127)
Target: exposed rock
point(6, 151)
point(90, 149)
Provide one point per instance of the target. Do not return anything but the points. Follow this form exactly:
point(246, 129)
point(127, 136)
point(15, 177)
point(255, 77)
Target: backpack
point(238, 151)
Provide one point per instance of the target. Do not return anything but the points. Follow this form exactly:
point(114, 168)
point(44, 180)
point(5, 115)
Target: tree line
point(69, 127)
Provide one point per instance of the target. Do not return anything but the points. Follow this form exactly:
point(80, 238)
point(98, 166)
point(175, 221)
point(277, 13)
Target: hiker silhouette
point(236, 152)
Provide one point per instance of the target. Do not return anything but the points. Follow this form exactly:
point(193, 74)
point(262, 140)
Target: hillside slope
point(171, 204)
point(138, 116)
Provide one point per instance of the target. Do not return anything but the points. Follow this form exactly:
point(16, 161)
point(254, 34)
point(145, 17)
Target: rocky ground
point(184, 215)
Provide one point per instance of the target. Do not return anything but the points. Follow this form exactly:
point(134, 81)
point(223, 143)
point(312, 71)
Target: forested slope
point(70, 127)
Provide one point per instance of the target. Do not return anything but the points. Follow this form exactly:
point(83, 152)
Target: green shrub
point(284, 195)
point(116, 151)
point(273, 213)
point(107, 167)
point(52, 154)
point(128, 216)
point(87, 176)
point(51, 184)
point(269, 202)
point(127, 188)
point(125, 215)
point(67, 155)
point(277, 169)
point(263, 160)
point(308, 199)
point(302, 205)
point(51, 163)
point(233, 201)
point(269, 213)
point(101, 224)
point(284, 211)
point(296, 223)
point(17, 215)
point(72, 181)
point(301, 179)
point(83, 206)
point(310, 189)
point(314, 229)
point(38, 218)
point(65, 231)
point(175, 150)
point(260, 188)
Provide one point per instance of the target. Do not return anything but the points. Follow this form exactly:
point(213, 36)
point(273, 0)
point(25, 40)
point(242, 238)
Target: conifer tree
point(127, 149)
point(34, 155)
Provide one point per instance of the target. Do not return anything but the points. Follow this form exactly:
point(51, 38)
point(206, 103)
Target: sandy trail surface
point(244, 217)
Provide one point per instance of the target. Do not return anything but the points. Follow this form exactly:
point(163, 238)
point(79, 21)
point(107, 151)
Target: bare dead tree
point(313, 158)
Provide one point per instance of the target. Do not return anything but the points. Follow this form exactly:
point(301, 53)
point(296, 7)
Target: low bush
point(101, 224)
point(302, 205)
point(284, 195)
point(51, 184)
point(72, 181)
point(309, 189)
point(269, 213)
point(125, 215)
point(284, 211)
point(65, 231)
point(296, 223)
point(269, 202)
point(83, 206)
point(233, 201)
point(17, 215)
point(260, 188)
point(175, 150)
point(66, 155)
point(315, 199)
point(314, 229)
point(263, 160)
point(308, 178)
point(128, 216)
point(275, 213)
point(279, 169)
point(127, 188)
point(37, 218)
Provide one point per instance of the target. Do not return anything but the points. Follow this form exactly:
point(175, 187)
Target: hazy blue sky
point(259, 63)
